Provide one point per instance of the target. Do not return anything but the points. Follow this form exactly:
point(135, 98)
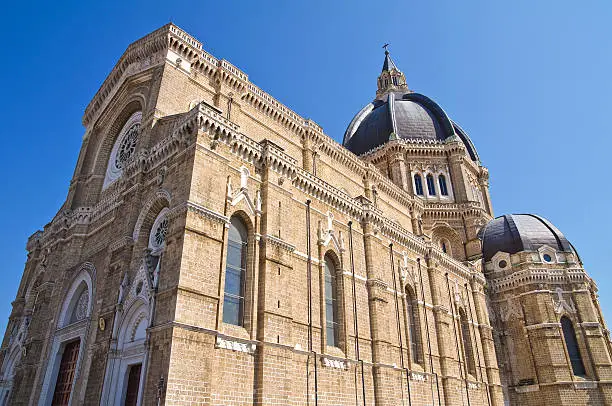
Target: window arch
point(418, 185)
point(123, 149)
point(331, 303)
point(431, 186)
point(468, 350)
point(569, 335)
point(69, 344)
point(77, 305)
point(443, 186)
point(414, 325)
point(235, 273)
point(11, 359)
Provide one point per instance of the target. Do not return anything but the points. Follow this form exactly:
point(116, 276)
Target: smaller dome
point(514, 233)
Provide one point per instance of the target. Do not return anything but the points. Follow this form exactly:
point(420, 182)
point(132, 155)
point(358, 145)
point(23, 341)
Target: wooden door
point(133, 384)
point(65, 375)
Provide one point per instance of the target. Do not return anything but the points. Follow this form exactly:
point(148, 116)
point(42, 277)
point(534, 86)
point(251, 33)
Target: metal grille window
point(431, 187)
point(418, 185)
point(443, 187)
point(65, 375)
point(414, 330)
point(569, 334)
point(235, 273)
point(331, 303)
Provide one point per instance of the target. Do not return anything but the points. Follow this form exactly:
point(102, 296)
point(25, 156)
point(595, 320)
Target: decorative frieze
point(417, 376)
point(232, 345)
point(333, 363)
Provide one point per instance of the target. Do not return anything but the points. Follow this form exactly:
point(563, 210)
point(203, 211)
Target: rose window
point(127, 146)
point(124, 149)
point(80, 308)
point(160, 232)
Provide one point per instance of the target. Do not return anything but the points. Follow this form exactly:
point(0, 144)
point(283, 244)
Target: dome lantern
point(391, 78)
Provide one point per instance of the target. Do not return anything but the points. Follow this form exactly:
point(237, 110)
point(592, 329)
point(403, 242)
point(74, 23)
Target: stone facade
point(179, 145)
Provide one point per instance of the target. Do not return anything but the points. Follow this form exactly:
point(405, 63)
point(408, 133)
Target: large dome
point(514, 233)
point(402, 115)
point(398, 113)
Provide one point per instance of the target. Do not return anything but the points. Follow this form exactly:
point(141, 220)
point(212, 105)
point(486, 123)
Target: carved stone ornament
point(511, 308)
point(81, 306)
point(562, 305)
point(123, 288)
point(161, 175)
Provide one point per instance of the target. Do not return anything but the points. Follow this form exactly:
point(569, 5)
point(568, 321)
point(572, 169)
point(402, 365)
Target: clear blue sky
point(528, 80)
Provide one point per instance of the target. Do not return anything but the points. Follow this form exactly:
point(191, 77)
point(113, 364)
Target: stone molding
point(206, 213)
point(538, 276)
point(279, 243)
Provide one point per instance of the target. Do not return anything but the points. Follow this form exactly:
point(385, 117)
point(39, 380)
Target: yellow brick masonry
point(205, 126)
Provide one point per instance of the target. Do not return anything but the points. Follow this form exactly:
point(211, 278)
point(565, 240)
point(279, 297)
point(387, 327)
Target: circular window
point(127, 146)
point(502, 264)
point(124, 148)
point(160, 232)
point(547, 258)
point(157, 238)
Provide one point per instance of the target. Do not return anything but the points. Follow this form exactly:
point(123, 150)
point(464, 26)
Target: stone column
point(397, 166)
point(377, 301)
point(307, 152)
point(489, 359)
point(483, 181)
point(441, 329)
point(458, 177)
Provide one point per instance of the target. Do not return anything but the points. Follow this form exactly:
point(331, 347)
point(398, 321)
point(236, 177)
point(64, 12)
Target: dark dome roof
point(402, 115)
point(514, 233)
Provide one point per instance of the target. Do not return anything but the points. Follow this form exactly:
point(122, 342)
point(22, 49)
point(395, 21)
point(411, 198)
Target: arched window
point(468, 351)
point(569, 334)
point(418, 185)
point(443, 187)
point(431, 187)
point(444, 247)
point(235, 273)
point(414, 326)
point(331, 303)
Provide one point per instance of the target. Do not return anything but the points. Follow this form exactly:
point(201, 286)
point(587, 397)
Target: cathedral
point(216, 248)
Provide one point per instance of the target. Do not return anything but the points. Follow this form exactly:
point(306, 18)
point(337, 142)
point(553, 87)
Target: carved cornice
point(537, 276)
point(284, 245)
point(220, 130)
point(454, 210)
point(137, 57)
point(206, 213)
